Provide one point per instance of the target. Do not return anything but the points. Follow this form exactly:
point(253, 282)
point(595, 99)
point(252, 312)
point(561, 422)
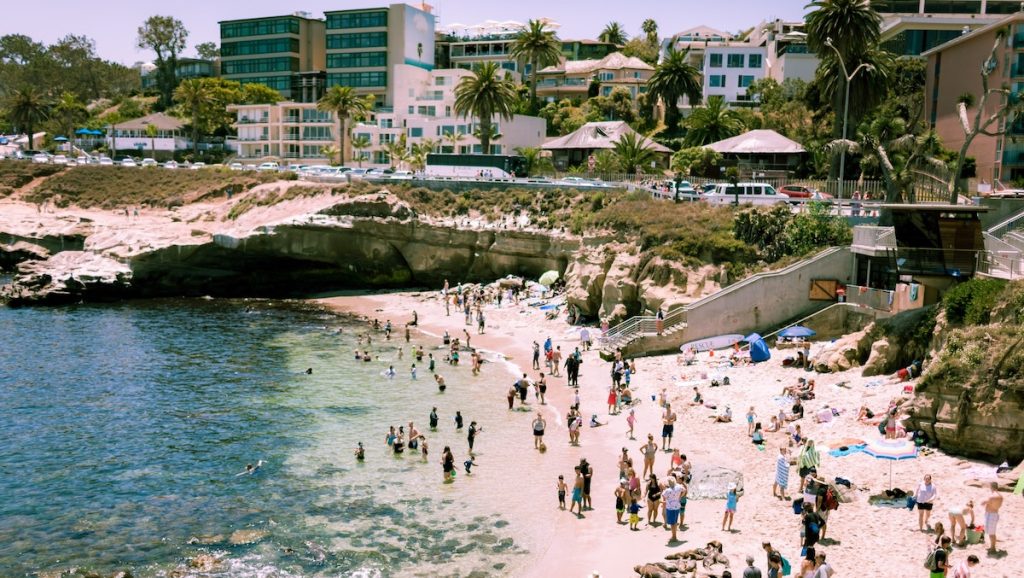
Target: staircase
point(1003, 257)
point(641, 326)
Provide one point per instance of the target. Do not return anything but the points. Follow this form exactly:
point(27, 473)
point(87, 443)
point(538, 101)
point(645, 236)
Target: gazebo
point(576, 147)
point(760, 149)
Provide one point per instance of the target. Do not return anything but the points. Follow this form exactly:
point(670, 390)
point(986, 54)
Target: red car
point(797, 191)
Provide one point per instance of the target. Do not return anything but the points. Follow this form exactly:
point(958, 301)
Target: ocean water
point(124, 427)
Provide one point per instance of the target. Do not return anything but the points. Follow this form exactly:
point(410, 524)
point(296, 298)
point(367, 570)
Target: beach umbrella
point(60, 139)
point(82, 131)
point(548, 279)
point(892, 450)
point(797, 331)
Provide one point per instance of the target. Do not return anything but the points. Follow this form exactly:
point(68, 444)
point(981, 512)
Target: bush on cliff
point(778, 232)
point(972, 302)
point(111, 187)
point(17, 174)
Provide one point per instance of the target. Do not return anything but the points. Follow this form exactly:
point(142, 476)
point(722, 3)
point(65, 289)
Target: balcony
point(873, 241)
point(248, 120)
point(291, 119)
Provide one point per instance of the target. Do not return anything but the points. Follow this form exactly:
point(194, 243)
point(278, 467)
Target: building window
point(357, 79)
point(385, 138)
point(415, 132)
point(259, 27)
point(426, 110)
point(606, 76)
point(317, 133)
point(606, 91)
point(357, 60)
point(357, 20)
point(257, 65)
point(357, 40)
point(270, 46)
point(754, 61)
point(280, 83)
point(745, 80)
point(440, 81)
point(509, 66)
point(735, 61)
point(363, 136)
point(381, 158)
point(386, 122)
point(715, 60)
point(716, 80)
point(314, 115)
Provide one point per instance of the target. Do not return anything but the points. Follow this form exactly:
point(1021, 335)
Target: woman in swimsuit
point(649, 450)
point(448, 463)
point(653, 499)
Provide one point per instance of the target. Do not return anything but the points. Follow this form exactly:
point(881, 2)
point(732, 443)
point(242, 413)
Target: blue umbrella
point(797, 331)
point(60, 139)
point(83, 131)
point(97, 133)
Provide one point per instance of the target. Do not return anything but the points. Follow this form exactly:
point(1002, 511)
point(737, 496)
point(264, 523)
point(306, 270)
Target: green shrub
point(971, 302)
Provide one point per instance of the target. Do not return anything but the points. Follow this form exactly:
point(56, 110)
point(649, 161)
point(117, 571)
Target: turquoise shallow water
point(123, 427)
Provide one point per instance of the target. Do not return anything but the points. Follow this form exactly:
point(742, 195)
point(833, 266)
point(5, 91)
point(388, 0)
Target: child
point(631, 420)
point(413, 371)
point(730, 506)
point(634, 513)
point(360, 452)
point(561, 492)
point(750, 421)
point(468, 464)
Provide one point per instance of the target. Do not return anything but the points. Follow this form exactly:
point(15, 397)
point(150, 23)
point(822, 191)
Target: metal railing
point(639, 326)
point(871, 237)
point(880, 299)
point(1001, 265)
point(1008, 225)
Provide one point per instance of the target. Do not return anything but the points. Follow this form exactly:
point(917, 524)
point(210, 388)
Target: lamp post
point(846, 107)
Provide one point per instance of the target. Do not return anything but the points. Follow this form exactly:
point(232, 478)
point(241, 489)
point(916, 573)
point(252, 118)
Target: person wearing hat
point(731, 497)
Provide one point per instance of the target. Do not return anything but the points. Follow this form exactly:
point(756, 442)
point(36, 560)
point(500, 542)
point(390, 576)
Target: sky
point(113, 23)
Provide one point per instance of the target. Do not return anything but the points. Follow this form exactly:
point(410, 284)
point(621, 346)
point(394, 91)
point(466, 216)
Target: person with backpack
point(937, 561)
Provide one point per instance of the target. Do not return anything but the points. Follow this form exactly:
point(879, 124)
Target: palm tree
point(399, 151)
point(68, 112)
point(26, 108)
point(605, 162)
point(151, 132)
point(193, 96)
point(613, 33)
point(538, 46)
point(633, 153)
point(345, 104)
point(359, 144)
point(535, 160)
point(673, 79)
point(484, 94)
point(852, 28)
point(454, 138)
point(712, 123)
point(331, 151)
point(492, 137)
point(418, 157)
point(650, 28)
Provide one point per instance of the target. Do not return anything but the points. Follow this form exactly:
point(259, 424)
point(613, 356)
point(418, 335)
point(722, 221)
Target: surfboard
point(717, 342)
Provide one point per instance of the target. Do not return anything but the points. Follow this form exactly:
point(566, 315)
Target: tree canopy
point(485, 94)
point(167, 37)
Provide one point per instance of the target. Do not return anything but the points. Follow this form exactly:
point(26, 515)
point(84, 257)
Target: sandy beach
point(863, 539)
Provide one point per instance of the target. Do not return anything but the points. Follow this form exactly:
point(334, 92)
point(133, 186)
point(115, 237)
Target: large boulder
point(843, 354)
point(881, 357)
point(584, 278)
point(619, 293)
point(669, 284)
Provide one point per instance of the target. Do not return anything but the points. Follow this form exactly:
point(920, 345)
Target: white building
point(730, 68)
point(424, 108)
point(133, 134)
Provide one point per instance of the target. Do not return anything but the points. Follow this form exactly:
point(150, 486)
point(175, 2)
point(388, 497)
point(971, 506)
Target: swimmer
point(309, 371)
point(432, 363)
point(390, 373)
point(250, 469)
point(440, 382)
point(360, 452)
point(433, 418)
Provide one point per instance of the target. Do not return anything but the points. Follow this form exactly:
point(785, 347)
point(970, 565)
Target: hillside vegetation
point(17, 174)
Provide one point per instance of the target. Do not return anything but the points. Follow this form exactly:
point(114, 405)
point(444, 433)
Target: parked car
point(41, 158)
point(106, 162)
point(708, 188)
point(746, 193)
point(268, 167)
point(128, 162)
point(80, 161)
point(797, 191)
point(197, 166)
point(59, 160)
point(171, 165)
point(402, 176)
point(149, 163)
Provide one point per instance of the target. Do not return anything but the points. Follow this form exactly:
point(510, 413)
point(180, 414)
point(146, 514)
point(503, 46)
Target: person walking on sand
point(542, 388)
point(631, 422)
point(671, 497)
point(538, 431)
point(992, 504)
point(925, 497)
point(561, 492)
point(511, 396)
point(536, 355)
point(556, 360)
point(621, 494)
point(668, 420)
point(649, 450)
point(781, 474)
point(731, 499)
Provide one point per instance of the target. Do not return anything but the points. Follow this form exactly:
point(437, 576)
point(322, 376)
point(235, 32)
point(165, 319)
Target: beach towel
point(840, 452)
point(824, 415)
point(782, 471)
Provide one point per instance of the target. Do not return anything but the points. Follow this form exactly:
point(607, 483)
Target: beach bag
point(798, 506)
point(929, 562)
point(786, 568)
point(725, 380)
point(911, 502)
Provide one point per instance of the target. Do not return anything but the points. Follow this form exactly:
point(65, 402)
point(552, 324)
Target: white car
point(41, 159)
point(127, 162)
point(171, 165)
point(269, 167)
point(402, 176)
point(81, 161)
point(197, 166)
point(745, 193)
point(149, 163)
point(106, 162)
point(60, 160)
point(236, 167)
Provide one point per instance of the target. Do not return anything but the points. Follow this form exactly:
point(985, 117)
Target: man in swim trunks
point(577, 493)
point(992, 504)
point(538, 431)
point(588, 473)
point(668, 420)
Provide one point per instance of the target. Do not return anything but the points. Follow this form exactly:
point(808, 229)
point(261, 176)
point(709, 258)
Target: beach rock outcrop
point(584, 278)
point(67, 277)
point(880, 358)
point(843, 354)
point(619, 294)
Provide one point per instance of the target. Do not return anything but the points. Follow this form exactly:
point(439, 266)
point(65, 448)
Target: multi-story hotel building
point(272, 51)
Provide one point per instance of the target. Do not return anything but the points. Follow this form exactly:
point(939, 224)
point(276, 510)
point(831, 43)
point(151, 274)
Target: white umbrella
point(893, 450)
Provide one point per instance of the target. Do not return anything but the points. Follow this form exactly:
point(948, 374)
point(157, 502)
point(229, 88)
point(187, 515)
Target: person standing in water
point(360, 452)
point(458, 420)
point(433, 418)
point(448, 464)
point(538, 431)
point(471, 435)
